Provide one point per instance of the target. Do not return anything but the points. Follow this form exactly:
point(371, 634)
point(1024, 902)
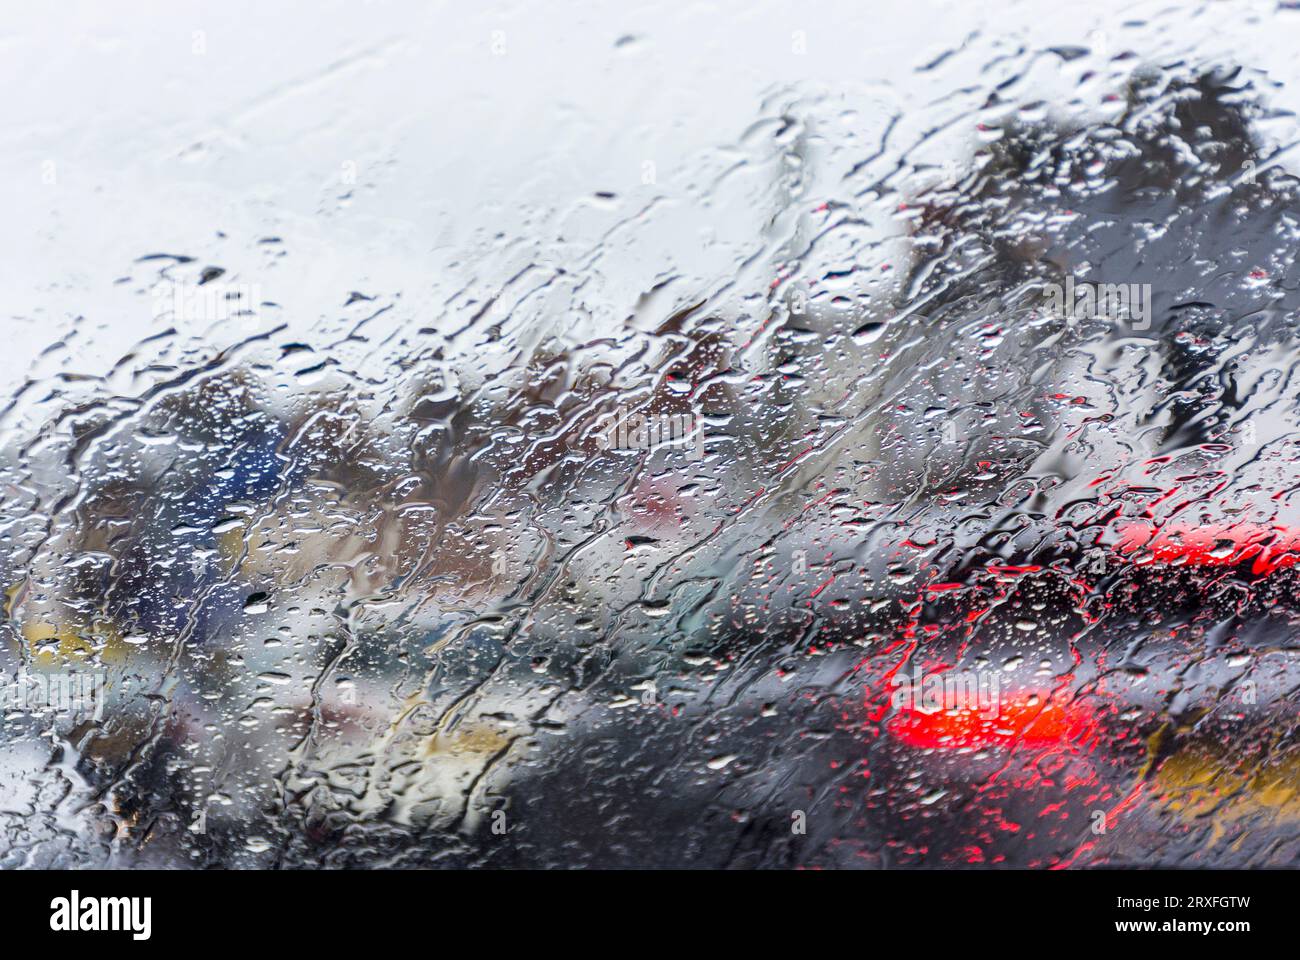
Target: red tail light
point(1026, 719)
point(1271, 546)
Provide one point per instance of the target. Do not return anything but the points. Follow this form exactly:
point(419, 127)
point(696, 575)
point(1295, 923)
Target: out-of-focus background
point(328, 504)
